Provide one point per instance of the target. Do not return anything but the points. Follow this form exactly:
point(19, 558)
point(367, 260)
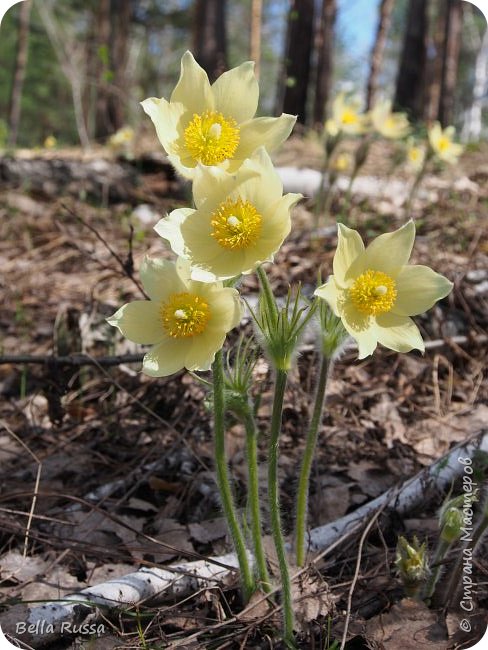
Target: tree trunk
point(325, 62)
point(378, 51)
point(452, 47)
point(121, 21)
point(474, 120)
point(296, 66)
point(104, 73)
point(255, 44)
point(19, 73)
point(409, 93)
point(434, 65)
point(210, 36)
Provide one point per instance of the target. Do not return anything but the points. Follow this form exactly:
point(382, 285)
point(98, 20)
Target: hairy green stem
point(441, 550)
point(267, 291)
point(311, 442)
point(253, 488)
point(223, 480)
point(274, 505)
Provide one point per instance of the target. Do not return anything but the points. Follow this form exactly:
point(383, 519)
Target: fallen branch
point(153, 586)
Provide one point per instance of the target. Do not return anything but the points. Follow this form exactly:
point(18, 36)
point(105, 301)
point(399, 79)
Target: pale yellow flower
point(390, 125)
point(240, 220)
point(185, 321)
point(441, 142)
point(415, 155)
point(121, 138)
point(374, 292)
point(214, 124)
point(343, 162)
point(50, 142)
point(346, 117)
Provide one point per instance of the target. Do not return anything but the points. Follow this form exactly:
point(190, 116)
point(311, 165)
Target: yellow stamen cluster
point(349, 117)
point(443, 143)
point(184, 315)
point(211, 138)
point(373, 292)
point(236, 224)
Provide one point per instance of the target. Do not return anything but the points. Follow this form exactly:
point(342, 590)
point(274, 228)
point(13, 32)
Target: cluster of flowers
point(347, 119)
point(240, 220)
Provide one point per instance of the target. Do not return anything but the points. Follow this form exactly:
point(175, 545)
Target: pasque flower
point(346, 117)
point(390, 125)
point(185, 321)
point(240, 220)
point(441, 142)
point(375, 292)
point(415, 155)
point(214, 124)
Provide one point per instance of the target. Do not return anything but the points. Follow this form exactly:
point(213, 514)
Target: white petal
point(236, 93)
point(170, 228)
point(361, 327)
point(419, 288)
point(265, 187)
point(212, 185)
point(329, 292)
point(140, 321)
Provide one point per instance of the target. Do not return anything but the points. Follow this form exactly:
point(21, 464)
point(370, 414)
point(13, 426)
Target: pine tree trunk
point(19, 72)
point(434, 67)
point(255, 44)
point(210, 36)
point(410, 84)
point(102, 121)
point(474, 124)
point(121, 21)
point(378, 50)
point(296, 66)
point(452, 47)
point(325, 59)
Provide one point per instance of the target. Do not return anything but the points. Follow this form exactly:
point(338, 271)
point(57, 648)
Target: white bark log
point(181, 580)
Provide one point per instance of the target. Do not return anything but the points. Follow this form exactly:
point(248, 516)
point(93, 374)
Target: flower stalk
point(308, 455)
point(223, 481)
point(274, 506)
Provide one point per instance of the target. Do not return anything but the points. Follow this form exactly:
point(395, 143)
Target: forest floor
point(66, 431)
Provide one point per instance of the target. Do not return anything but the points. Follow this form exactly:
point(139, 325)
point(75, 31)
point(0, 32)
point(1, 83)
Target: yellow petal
point(361, 327)
point(265, 187)
point(236, 93)
point(419, 287)
point(330, 294)
point(165, 117)
point(139, 321)
point(212, 185)
point(349, 247)
point(269, 132)
point(169, 228)
point(166, 358)
point(388, 253)
point(193, 88)
point(160, 278)
point(398, 333)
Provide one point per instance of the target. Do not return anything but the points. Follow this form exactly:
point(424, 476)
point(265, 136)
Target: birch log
point(43, 624)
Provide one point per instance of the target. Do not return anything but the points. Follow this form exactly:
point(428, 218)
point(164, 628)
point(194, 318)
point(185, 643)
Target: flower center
point(373, 292)
point(236, 224)
point(211, 138)
point(444, 143)
point(349, 116)
point(184, 315)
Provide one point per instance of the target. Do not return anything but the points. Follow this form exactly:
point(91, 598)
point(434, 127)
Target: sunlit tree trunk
point(19, 73)
point(378, 50)
point(325, 59)
point(474, 124)
point(296, 65)
point(450, 62)
point(434, 66)
point(410, 84)
point(255, 44)
point(210, 36)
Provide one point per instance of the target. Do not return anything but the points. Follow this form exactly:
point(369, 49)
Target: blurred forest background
point(77, 69)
